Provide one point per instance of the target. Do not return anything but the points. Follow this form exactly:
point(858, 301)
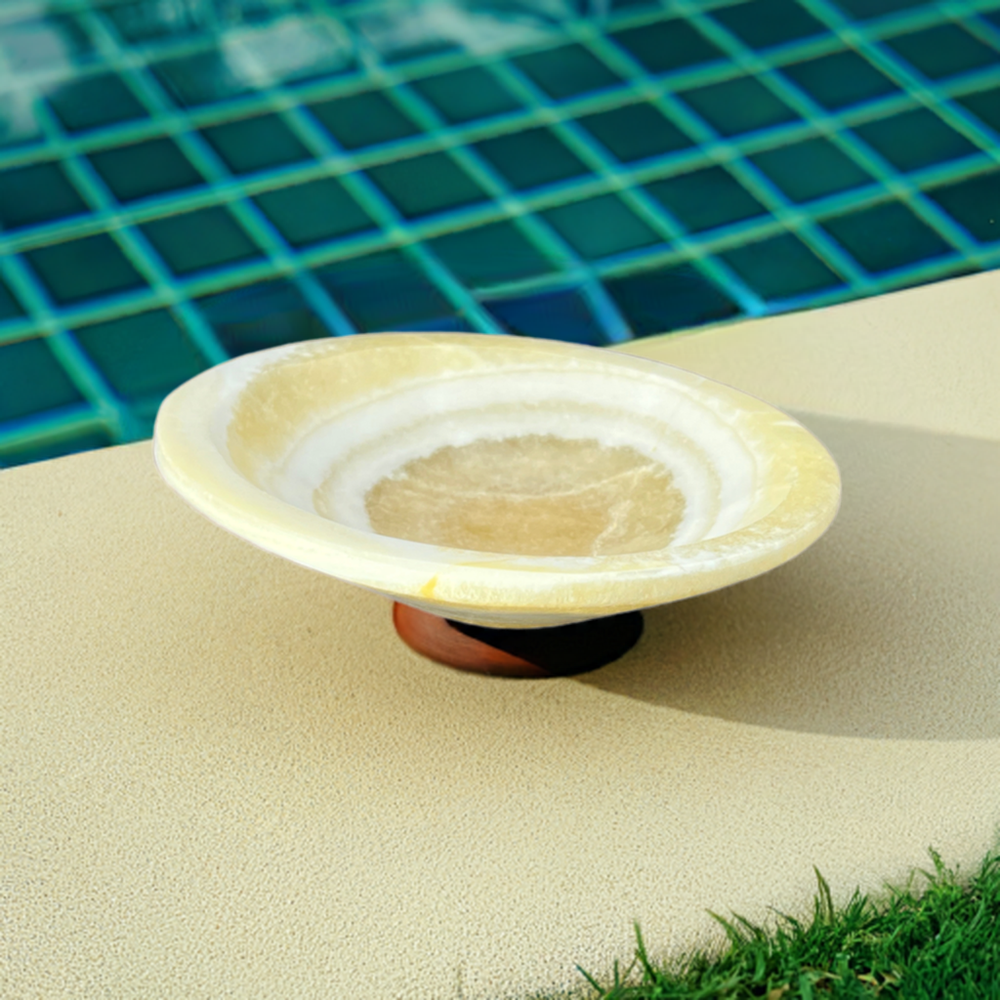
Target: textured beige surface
point(221, 774)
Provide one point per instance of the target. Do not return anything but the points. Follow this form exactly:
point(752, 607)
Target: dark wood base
point(561, 651)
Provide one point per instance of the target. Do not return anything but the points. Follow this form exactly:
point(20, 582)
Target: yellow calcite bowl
point(498, 481)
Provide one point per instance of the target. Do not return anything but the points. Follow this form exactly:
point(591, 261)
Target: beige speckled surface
point(221, 774)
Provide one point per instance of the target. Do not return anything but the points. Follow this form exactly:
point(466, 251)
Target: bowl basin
point(498, 481)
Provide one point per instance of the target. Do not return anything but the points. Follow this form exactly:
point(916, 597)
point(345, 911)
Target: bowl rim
point(453, 581)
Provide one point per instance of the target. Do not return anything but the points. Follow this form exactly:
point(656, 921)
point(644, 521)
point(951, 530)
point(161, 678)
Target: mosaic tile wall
point(185, 181)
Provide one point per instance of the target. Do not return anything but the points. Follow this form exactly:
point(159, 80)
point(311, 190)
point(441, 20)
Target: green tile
point(914, 139)
point(93, 101)
point(974, 203)
point(143, 169)
point(82, 269)
point(635, 132)
point(762, 24)
point(200, 78)
point(531, 158)
point(601, 226)
point(143, 355)
point(705, 199)
point(488, 255)
point(665, 46)
point(14, 455)
point(18, 119)
point(38, 193)
point(781, 267)
point(839, 80)
point(942, 51)
point(426, 184)
point(32, 380)
point(985, 105)
point(10, 308)
point(567, 71)
point(43, 44)
point(886, 237)
point(252, 144)
point(195, 241)
point(811, 169)
point(313, 212)
point(465, 95)
point(256, 317)
point(366, 119)
point(738, 106)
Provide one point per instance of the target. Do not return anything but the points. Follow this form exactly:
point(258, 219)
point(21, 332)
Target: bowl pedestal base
point(561, 651)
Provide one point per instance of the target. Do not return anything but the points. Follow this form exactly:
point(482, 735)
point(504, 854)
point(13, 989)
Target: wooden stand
point(562, 651)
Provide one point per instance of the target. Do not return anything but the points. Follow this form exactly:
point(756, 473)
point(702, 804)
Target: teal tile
point(43, 44)
point(92, 101)
point(942, 51)
point(671, 298)
point(530, 158)
point(985, 105)
point(567, 71)
point(886, 237)
point(87, 268)
point(13, 455)
point(761, 24)
point(258, 143)
point(560, 315)
point(811, 169)
point(32, 381)
point(488, 255)
point(974, 203)
point(18, 119)
point(256, 317)
point(196, 241)
point(152, 20)
point(386, 291)
point(914, 139)
point(314, 212)
point(424, 185)
point(635, 132)
point(35, 194)
point(366, 119)
point(601, 227)
point(199, 79)
point(465, 95)
point(864, 10)
point(143, 355)
point(666, 46)
point(781, 267)
point(706, 199)
point(144, 169)
point(738, 106)
point(839, 80)
point(10, 308)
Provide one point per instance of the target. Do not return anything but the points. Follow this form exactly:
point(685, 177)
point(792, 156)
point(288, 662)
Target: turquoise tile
point(314, 212)
point(567, 71)
point(914, 139)
point(258, 143)
point(781, 267)
point(53, 43)
point(839, 80)
point(93, 101)
point(985, 105)
point(886, 237)
point(665, 46)
point(200, 240)
point(362, 120)
point(530, 158)
point(35, 194)
point(144, 169)
point(18, 119)
point(32, 381)
point(488, 255)
point(21, 454)
point(974, 203)
point(142, 355)
point(255, 317)
point(635, 132)
point(559, 315)
point(87, 268)
point(153, 20)
point(423, 185)
point(200, 78)
point(761, 24)
point(738, 106)
point(671, 298)
point(942, 51)
point(465, 95)
point(601, 226)
point(10, 308)
point(706, 199)
point(811, 169)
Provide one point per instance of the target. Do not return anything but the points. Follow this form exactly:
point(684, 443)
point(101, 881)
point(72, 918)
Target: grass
point(936, 937)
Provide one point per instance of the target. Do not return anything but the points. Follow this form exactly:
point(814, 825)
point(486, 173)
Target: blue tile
point(144, 169)
point(811, 169)
point(706, 199)
point(914, 139)
point(87, 268)
point(204, 239)
point(530, 158)
point(567, 71)
point(314, 212)
point(94, 101)
point(839, 80)
point(32, 381)
point(35, 194)
point(561, 315)
point(781, 267)
point(738, 106)
point(601, 227)
point(665, 46)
